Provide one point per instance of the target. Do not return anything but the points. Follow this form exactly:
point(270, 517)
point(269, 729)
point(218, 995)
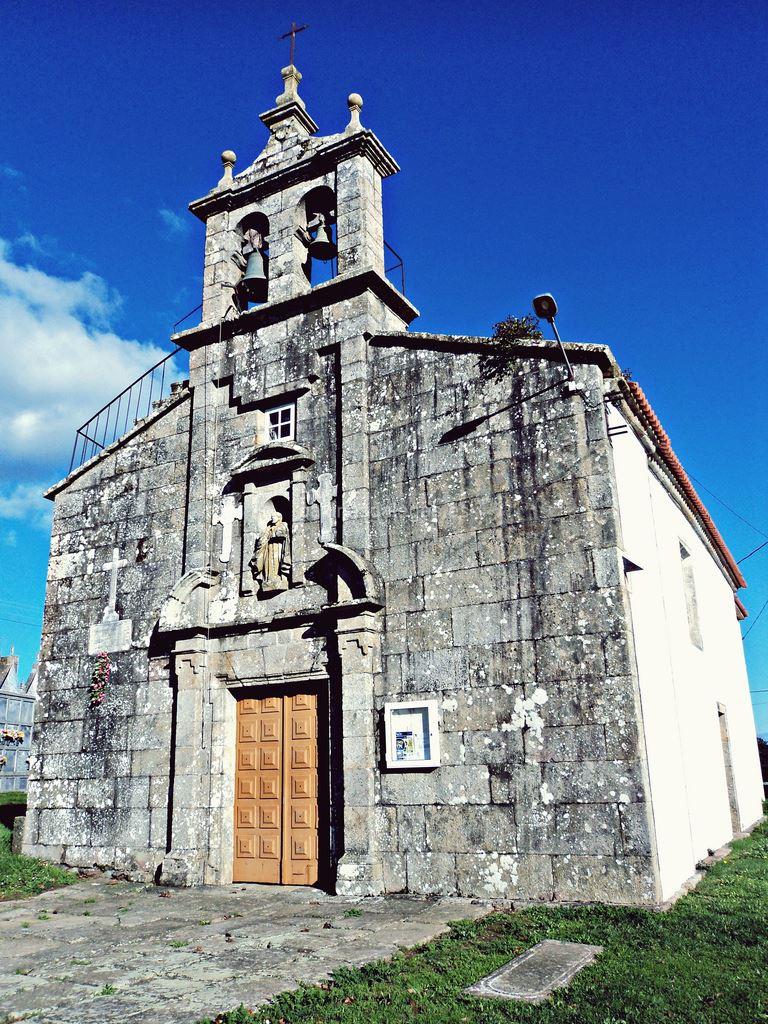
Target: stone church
point(343, 610)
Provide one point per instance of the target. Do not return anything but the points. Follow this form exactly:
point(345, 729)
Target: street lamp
point(545, 307)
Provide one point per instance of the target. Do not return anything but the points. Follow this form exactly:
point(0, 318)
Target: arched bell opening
point(253, 287)
point(317, 232)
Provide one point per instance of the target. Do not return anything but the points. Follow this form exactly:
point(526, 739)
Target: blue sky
point(613, 154)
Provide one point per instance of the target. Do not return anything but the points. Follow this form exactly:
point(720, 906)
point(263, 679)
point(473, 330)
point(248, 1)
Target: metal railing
point(124, 411)
point(137, 400)
point(398, 266)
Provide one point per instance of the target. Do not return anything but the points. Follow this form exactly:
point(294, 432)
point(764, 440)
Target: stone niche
point(272, 485)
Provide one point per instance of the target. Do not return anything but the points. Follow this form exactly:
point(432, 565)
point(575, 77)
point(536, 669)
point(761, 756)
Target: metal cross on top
point(294, 31)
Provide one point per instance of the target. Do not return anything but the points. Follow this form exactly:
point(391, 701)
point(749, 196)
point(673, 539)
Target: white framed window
point(412, 734)
point(281, 422)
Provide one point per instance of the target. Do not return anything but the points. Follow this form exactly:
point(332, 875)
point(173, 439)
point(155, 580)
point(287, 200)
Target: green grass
point(14, 796)
point(703, 962)
point(25, 876)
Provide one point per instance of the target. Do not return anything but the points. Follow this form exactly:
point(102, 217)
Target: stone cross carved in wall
point(271, 562)
point(324, 494)
point(229, 513)
point(110, 612)
point(112, 634)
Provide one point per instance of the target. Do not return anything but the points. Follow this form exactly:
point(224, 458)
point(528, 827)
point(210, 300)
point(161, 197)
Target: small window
point(691, 604)
point(281, 422)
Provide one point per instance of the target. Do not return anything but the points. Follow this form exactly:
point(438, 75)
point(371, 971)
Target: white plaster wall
point(680, 684)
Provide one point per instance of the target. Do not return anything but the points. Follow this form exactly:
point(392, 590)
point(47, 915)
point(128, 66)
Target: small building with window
point(17, 713)
point(349, 609)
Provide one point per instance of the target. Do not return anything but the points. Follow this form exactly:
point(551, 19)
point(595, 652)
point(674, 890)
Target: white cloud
point(10, 538)
point(173, 223)
point(9, 172)
point(61, 361)
point(25, 503)
point(34, 244)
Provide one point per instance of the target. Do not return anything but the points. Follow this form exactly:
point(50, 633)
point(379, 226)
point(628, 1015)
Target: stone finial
point(290, 94)
point(228, 158)
point(355, 104)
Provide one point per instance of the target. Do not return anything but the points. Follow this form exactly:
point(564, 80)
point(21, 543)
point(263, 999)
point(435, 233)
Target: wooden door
point(276, 833)
point(300, 860)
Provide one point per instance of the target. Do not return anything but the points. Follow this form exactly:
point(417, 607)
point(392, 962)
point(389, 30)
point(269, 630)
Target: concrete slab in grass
point(534, 975)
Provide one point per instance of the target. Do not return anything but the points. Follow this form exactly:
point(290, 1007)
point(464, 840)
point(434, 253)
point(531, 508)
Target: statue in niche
point(271, 561)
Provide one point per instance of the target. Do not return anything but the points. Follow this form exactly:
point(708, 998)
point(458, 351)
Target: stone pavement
point(103, 951)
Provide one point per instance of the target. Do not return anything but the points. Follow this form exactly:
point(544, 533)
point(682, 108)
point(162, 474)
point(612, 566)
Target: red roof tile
point(660, 437)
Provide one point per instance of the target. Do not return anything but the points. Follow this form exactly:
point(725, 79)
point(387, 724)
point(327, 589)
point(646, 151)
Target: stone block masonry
point(499, 551)
point(93, 766)
point(502, 600)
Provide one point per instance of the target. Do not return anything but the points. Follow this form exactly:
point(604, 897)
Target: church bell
point(254, 281)
point(322, 247)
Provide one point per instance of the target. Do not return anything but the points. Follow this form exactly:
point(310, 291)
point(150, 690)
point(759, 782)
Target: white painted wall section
point(683, 677)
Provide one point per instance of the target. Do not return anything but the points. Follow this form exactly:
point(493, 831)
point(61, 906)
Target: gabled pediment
point(283, 455)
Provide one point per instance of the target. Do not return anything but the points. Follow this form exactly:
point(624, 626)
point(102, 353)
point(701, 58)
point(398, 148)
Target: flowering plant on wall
point(12, 735)
point(3, 760)
point(99, 679)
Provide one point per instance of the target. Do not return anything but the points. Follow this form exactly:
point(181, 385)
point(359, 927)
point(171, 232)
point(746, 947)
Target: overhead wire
point(753, 552)
point(749, 554)
point(756, 619)
point(730, 509)
point(19, 622)
point(20, 605)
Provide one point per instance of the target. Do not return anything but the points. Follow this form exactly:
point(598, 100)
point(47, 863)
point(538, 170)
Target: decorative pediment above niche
point(284, 457)
point(273, 554)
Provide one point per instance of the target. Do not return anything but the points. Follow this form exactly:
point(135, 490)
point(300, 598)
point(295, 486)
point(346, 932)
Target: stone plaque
point(110, 636)
point(534, 975)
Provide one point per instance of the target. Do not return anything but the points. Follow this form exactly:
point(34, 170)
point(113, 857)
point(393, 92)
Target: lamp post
point(545, 307)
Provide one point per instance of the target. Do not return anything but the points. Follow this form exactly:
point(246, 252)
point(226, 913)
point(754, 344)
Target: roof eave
point(640, 406)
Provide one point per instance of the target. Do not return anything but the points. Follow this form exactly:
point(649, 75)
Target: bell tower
point(305, 201)
point(278, 586)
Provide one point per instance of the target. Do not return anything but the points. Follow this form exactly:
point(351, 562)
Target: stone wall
point(99, 777)
point(494, 527)
point(488, 508)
